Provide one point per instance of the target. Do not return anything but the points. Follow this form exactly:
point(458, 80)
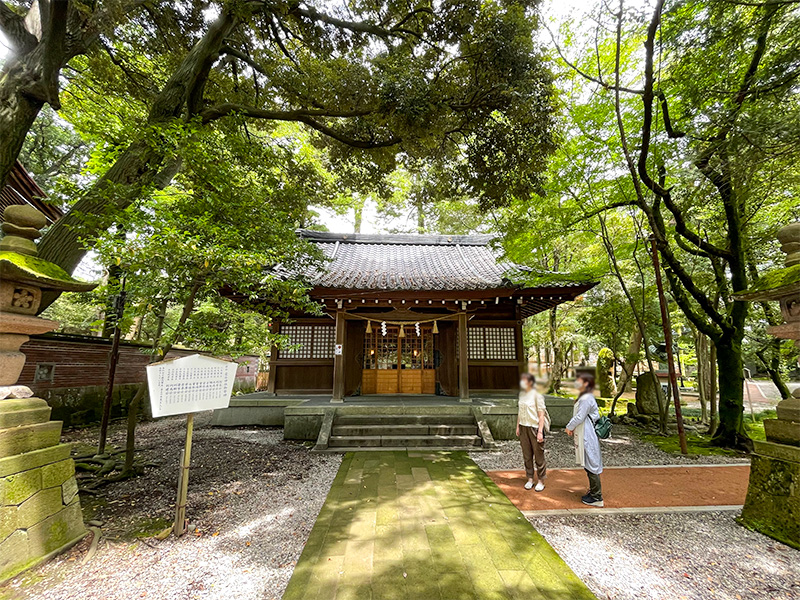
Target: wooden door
point(399, 364)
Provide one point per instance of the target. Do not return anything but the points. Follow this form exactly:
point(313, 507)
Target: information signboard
point(190, 384)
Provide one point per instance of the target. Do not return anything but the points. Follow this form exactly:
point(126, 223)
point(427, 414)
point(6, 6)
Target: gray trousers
point(595, 489)
point(532, 452)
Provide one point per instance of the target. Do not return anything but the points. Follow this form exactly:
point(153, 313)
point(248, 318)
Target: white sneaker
point(528, 485)
point(539, 486)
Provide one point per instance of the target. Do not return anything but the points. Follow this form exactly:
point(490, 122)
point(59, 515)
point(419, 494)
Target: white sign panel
point(190, 384)
point(337, 350)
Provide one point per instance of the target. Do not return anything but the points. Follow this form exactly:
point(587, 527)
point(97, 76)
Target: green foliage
point(224, 230)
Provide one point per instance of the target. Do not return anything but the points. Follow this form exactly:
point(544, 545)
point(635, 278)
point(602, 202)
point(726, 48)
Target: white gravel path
point(625, 448)
point(692, 556)
point(253, 499)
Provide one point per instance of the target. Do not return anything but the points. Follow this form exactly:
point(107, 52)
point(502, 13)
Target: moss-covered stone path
point(416, 526)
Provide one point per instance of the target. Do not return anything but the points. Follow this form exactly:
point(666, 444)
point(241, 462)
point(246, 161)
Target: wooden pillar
point(463, 359)
point(273, 356)
point(522, 354)
point(338, 359)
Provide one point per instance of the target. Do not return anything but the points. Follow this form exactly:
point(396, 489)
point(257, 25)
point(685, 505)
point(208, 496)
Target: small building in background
point(21, 189)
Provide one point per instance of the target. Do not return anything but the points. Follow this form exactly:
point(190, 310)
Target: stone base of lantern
point(40, 514)
point(773, 496)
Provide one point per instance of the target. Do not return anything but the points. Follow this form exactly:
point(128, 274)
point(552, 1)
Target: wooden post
point(119, 311)
point(338, 359)
point(463, 359)
point(522, 354)
point(183, 480)
point(273, 356)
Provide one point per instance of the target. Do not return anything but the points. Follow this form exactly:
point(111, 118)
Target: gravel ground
point(696, 556)
point(624, 448)
point(253, 499)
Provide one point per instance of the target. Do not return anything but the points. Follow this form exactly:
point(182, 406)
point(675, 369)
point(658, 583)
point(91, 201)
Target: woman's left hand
point(540, 437)
point(569, 431)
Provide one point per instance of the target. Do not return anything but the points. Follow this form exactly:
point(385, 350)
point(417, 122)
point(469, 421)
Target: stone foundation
point(40, 513)
point(773, 496)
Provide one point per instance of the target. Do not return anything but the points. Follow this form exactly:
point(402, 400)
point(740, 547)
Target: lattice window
point(308, 341)
point(491, 343)
point(324, 341)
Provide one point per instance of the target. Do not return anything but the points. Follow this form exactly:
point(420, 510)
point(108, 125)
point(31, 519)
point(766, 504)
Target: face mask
point(523, 385)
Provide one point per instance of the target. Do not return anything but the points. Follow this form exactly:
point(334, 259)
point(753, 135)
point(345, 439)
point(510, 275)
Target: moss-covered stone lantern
point(773, 495)
point(40, 513)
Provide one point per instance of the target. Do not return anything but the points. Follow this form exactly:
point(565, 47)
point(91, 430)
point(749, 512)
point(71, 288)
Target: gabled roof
point(401, 262)
point(22, 189)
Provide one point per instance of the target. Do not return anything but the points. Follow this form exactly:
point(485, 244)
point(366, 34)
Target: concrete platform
point(302, 415)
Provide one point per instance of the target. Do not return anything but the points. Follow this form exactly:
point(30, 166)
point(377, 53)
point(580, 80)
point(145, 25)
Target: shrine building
point(433, 315)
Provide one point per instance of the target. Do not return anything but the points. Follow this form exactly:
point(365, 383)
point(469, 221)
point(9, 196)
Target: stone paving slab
point(412, 525)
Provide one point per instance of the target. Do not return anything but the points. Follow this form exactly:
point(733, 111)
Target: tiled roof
point(409, 262)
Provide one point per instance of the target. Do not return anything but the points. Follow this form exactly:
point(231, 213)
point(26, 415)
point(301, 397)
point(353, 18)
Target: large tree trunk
point(631, 358)
point(17, 114)
point(30, 77)
point(558, 355)
point(772, 364)
point(705, 385)
point(730, 432)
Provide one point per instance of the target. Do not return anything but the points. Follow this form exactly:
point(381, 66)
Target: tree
point(43, 38)
point(223, 232)
point(463, 81)
point(708, 109)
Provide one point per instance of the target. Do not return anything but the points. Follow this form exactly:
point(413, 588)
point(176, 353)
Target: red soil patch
point(631, 488)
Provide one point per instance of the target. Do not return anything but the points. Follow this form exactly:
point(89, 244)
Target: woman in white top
point(530, 430)
point(587, 445)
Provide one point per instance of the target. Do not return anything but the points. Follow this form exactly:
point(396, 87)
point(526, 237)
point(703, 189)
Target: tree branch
point(13, 27)
point(599, 79)
point(229, 50)
point(313, 14)
point(305, 116)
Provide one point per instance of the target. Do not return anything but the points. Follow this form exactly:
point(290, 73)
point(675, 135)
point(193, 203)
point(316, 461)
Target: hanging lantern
point(369, 327)
point(416, 328)
point(402, 332)
point(435, 327)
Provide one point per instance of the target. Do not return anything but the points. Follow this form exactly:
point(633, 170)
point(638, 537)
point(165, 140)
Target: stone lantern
point(773, 495)
point(40, 514)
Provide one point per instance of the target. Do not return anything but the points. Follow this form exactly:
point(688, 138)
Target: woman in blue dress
point(587, 445)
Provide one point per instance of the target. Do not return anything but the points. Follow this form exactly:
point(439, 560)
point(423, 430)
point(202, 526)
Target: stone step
point(404, 430)
point(405, 441)
point(380, 419)
point(402, 449)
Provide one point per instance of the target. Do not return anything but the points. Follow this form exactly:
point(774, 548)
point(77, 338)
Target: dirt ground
point(253, 499)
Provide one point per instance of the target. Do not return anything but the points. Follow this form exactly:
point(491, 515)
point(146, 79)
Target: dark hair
point(529, 378)
point(589, 379)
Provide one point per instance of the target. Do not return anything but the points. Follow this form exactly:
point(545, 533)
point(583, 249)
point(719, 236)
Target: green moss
point(149, 527)
point(531, 278)
point(785, 279)
point(37, 271)
point(696, 443)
